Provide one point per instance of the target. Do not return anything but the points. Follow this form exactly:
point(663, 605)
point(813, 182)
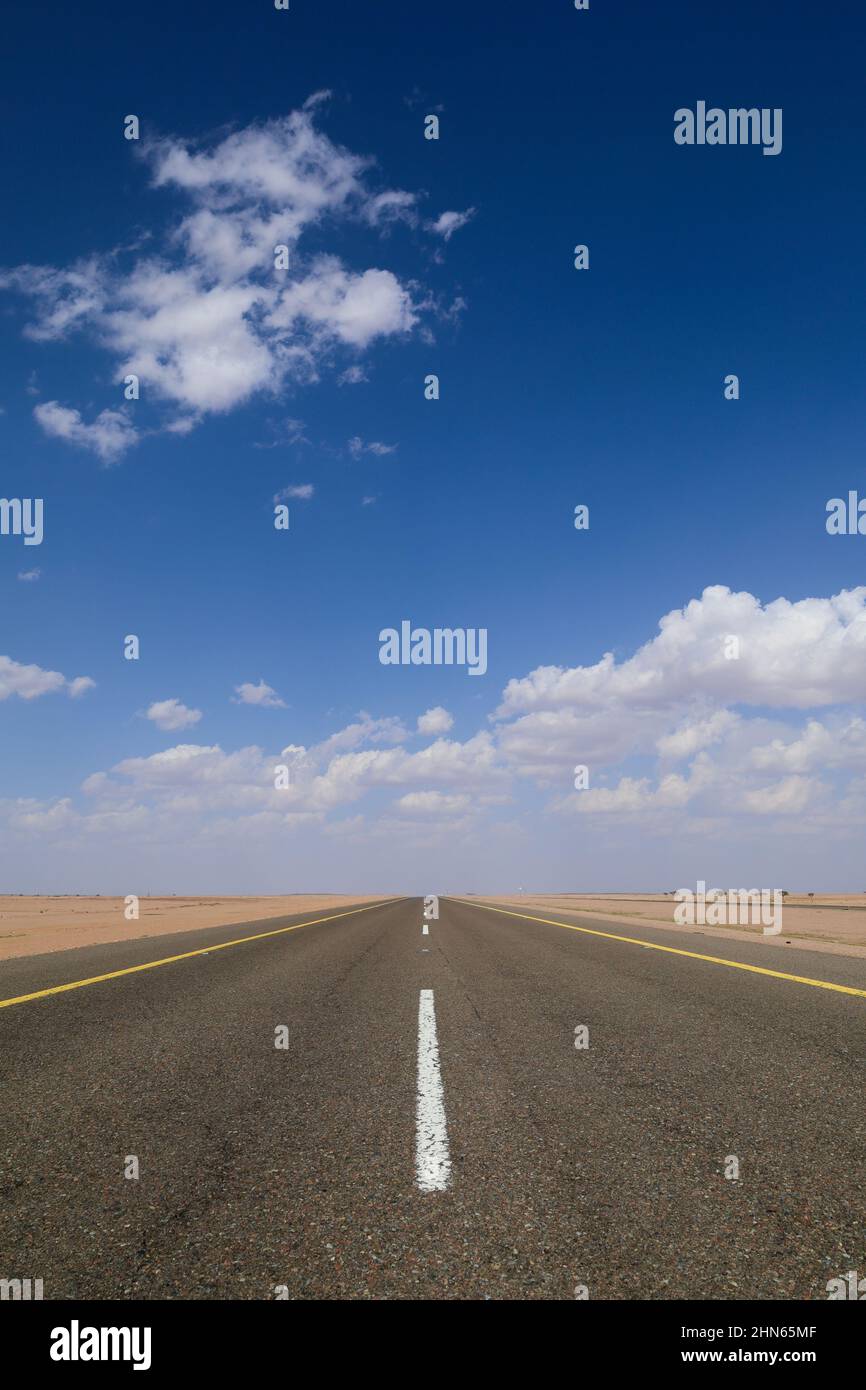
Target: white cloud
point(303, 491)
point(29, 576)
point(393, 206)
point(109, 436)
point(788, 797)
point(196, 780)
point(542, 745)
point(340, 306)
point(261, 694)
point(630, 795)
point(29, 682)
point(352, 376)
point(818, 746)
point(204, 319)
point(45, 818)
point(171, 714)
point(450, 222)
point(435, 721)
point(438, 804)
point(283, 164)
point(365, 730)
point(357, 447)
point(761, 764)
point(65, 299)
point(792, 655)
point(673, 699)
point(469, 765)
point(80, 686)
point(696, 734)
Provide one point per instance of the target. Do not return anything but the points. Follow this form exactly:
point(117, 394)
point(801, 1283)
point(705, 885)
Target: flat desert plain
point(30, 926)
point(833, 922)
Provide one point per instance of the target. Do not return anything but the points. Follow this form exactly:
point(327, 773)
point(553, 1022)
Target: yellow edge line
point(186, 955)
point(674, 950)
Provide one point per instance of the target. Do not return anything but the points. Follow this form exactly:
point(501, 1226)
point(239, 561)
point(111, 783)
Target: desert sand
point(832, 922)
point(34, 925)
point(30, 926)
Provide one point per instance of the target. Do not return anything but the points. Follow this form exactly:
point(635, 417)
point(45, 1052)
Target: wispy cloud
point(357, 447)
point(447, 223)
point(352, 376)
point(302, 491)
point(284, 433)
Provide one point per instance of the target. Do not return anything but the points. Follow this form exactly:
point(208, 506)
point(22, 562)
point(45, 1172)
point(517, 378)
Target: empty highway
point(504, 1106)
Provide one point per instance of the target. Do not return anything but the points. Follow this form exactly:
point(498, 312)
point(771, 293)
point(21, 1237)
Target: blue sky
point(558, 387)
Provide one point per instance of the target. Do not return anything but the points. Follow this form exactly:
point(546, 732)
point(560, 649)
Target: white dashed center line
point(432, 1157)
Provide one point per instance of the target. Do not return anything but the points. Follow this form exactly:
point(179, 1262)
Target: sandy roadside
point(30, 926)
point(835, 923)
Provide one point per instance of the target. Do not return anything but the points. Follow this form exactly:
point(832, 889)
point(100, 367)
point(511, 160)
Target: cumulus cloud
point(29, 682)
point(261, 694)
point(841, 743)
point(631, 795)
point(696, 734)
point(445, 762)
point(337, 305)
point(193, 780)
point(206, 317)
point(693, 695)
point(435, 721)
point(365, 729)
point(787, 797)
point(776, 666)
point(172, 714)
point(666, 753)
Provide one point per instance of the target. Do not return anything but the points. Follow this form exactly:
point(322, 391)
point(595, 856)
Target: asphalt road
point(303, 1168)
